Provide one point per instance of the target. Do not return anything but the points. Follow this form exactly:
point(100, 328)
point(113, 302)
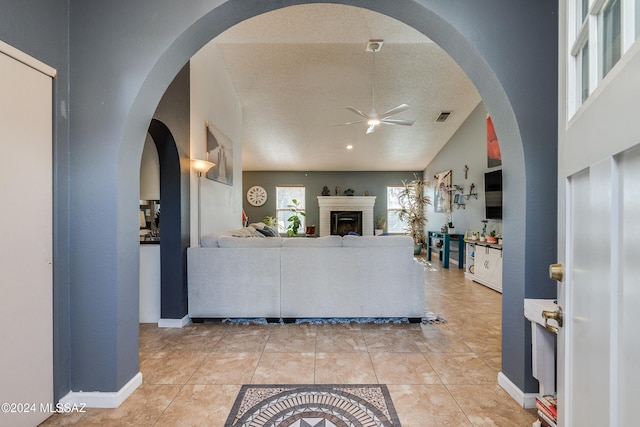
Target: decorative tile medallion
point(295, 405)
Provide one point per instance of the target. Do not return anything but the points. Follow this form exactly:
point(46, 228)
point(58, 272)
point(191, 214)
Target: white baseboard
point(174, 323)
point(99, 399)
point(526, 400)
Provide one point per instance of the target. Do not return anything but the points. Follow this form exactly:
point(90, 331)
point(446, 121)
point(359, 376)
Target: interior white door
point(602, 294)
point(26, 335)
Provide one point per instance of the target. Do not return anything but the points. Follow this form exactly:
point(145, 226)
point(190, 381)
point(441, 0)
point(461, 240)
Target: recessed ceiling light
point(349, 147)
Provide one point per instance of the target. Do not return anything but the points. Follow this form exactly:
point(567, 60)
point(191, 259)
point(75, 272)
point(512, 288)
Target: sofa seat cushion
point(319, 242)
point(249, 242)
point(369, 241)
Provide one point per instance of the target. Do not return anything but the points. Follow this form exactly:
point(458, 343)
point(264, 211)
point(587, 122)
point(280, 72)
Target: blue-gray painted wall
point(40, 28)
point(124, 55)
point(373, 183)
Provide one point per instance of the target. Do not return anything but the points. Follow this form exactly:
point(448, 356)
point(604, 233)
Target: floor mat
point(319, 405)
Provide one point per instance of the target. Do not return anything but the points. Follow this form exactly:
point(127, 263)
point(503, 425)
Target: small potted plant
point(491, 238)
point(294, 220)
point(380, 224)
point(482, 237)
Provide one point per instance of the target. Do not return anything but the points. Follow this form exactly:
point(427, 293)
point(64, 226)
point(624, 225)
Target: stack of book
point(547, 410)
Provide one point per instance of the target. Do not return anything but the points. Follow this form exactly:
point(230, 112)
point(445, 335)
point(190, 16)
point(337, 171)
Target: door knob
point(556, 272)
point(554, 315)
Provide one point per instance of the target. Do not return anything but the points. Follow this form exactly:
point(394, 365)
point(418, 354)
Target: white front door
point(26, 283)
point(599, 238)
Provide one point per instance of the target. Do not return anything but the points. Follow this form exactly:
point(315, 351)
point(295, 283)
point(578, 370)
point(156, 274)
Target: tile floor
point(438, 375)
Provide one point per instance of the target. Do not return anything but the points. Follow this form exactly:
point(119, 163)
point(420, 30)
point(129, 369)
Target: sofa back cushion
point(368, 241)
point(249, 242)
point(319, 242)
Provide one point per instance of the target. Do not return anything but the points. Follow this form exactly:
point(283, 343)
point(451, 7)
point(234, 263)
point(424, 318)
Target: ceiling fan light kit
point(373, 119)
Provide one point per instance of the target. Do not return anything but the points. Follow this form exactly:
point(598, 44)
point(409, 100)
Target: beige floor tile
point(344, 368)
point(426, 405)
point(200, 405)
point(285, 368)
point(170, 367)
point(431, 339)
point(394, 340)
point(460, 368)
point(490, 405)
point(243, 339)
point(403, 368)
point(494, 360)
point(340, 340)
point(226, 368)
point(286, 338)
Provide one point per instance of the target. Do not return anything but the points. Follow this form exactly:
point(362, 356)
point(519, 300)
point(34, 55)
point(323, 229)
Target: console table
point(444, 240)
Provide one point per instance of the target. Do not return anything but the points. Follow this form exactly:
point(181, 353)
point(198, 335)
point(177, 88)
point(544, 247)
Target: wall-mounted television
point(493, 194)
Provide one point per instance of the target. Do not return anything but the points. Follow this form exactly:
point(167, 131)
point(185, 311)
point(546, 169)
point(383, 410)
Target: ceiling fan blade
point(358, 112)
point(351, 123)
point(370, 129)
point(394, 111)
point(397, 122)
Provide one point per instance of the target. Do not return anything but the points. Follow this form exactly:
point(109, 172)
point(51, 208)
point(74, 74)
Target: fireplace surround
point(361, 204)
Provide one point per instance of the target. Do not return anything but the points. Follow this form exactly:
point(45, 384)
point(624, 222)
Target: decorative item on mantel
point(325, 191)
point(349, 192)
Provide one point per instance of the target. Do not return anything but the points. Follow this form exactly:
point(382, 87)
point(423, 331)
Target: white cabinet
point(484, 264)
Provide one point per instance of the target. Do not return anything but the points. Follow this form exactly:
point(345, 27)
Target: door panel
point(26, 283)
point(587, 309)
point(629, 298)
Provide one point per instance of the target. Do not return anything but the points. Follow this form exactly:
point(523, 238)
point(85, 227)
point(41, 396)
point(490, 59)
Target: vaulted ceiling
point(296, 69)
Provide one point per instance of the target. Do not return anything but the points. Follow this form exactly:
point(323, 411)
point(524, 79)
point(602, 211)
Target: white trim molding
point(27, 60)
point(99, 399)
point(526, 400)
point(174, 323)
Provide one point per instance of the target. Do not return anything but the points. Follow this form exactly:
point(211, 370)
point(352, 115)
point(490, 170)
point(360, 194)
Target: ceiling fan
point(373, 119)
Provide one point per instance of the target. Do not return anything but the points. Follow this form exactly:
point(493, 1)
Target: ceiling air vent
point(443, 116)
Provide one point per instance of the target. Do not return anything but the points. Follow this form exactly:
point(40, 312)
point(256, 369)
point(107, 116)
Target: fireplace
point(362, 205)
point(345, 222)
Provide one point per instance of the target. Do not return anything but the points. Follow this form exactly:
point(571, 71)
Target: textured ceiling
point(296, 69)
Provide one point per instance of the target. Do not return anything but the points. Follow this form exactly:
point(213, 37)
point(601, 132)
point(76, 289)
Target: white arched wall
point(498, 43)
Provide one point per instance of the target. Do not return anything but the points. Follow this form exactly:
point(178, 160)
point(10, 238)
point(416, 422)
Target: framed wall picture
point(220, 152)
point(494, 158)
point(441, 193)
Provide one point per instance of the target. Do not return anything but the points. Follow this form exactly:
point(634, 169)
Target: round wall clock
point(257, 196)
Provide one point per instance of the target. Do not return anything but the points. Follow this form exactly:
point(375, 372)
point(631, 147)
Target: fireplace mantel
point(346, 203)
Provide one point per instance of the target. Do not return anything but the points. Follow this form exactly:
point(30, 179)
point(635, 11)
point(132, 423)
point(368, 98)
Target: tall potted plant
point(412, 199)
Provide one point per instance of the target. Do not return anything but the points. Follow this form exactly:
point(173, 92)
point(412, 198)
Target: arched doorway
point(173, 267)
point(522, 103)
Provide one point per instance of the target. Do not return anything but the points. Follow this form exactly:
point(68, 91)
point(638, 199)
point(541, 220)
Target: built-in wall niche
point(149, 219)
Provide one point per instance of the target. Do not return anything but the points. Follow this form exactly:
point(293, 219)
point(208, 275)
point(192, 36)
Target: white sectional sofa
point(325, 277)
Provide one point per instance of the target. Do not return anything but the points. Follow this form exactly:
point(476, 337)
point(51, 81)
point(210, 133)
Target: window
point(583, 63)
point(394, 225)
point(637, 18)
point(597, 42)
point(610, 29)
point(285, 196)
